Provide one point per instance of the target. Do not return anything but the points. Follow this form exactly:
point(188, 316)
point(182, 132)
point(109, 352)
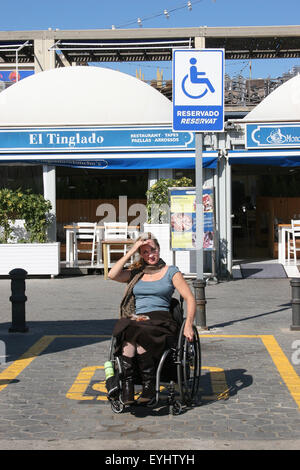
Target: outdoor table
point(115, 241)
point(70, 240)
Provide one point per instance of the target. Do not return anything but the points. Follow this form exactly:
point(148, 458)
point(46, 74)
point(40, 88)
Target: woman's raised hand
point(137, 245)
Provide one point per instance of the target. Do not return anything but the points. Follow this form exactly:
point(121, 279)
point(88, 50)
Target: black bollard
point(18, 299)
point(295, 285)
point(199, 288)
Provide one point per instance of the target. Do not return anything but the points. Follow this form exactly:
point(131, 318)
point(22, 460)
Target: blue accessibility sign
point(198, 90)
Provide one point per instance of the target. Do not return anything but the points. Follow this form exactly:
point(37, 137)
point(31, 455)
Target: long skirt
point(154, 335)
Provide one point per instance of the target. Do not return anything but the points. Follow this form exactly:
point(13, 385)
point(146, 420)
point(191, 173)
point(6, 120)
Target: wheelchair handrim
point(188, 387)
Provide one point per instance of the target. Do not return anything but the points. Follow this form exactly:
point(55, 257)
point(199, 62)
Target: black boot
point(147, 369)
point(127, 382)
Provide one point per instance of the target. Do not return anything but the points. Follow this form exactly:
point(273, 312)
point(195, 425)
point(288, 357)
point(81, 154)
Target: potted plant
point(28, 249)
point(158, 198)
point(158, 218)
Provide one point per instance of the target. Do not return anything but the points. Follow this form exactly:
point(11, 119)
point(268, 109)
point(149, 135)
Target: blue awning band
point(117, 162)
point(283, 158)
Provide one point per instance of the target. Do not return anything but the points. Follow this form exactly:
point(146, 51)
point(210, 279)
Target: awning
point(116, 161)
point(283, 158)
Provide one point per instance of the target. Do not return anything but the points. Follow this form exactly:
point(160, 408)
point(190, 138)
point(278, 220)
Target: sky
point(102, 14)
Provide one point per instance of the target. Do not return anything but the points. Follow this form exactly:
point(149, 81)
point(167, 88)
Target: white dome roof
point(83, 96)
point(282, 105)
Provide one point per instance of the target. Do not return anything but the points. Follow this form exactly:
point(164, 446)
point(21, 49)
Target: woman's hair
point(143, 236)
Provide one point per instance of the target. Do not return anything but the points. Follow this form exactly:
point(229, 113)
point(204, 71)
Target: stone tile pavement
point(51, 383)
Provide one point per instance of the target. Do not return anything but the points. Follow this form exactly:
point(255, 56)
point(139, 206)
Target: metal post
point(199, 204)
point(295, 285)
point(18, 299)
point(199, 283)
point(199, 287)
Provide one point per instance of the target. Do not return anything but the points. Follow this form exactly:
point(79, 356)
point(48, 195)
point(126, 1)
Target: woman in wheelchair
point(146, 324)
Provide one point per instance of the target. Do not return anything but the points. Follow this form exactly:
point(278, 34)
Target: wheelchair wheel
point(188, 366)
point(117, 406)
point(176, 408)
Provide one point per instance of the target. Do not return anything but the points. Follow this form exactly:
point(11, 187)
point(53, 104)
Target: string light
point(165, 13)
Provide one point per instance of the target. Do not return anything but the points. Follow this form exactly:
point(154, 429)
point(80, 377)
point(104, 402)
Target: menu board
point(183, 218)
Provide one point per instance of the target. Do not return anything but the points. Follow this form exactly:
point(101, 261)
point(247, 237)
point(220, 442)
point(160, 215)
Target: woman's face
point(150, 252)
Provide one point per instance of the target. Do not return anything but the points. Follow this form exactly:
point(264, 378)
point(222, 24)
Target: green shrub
point(158, 198)
point(33, 208)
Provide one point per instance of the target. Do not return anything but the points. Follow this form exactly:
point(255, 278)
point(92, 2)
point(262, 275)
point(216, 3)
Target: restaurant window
point(185, 173)
point(22, 177)
point(281, 185)
point(78, 183)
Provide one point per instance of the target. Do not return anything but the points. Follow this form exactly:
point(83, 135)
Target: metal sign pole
point(199, 283)
point(198, 106)
point(199, 207)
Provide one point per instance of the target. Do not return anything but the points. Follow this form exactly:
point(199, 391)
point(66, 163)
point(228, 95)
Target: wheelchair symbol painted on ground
point(192, 80)
point(87, 387)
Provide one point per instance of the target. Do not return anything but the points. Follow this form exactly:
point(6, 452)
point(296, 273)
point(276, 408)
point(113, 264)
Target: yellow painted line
point(12, 371)
point(78, 389)
point(218, 384)
point(202, 336)
point(283, 365)
point(83, 379)
point(286, 370)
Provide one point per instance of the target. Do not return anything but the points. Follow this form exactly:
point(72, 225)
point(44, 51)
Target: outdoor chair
point(86, 233)
point(115, 231)
point(293, 235)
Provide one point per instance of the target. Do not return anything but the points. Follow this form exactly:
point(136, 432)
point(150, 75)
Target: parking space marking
point(83, 379)
point(77, 391)
point(285, 368)
point(283, 365)
point(14, 369)
point(220, 389)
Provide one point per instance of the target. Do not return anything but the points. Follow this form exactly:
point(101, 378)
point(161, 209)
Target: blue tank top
point(153, 296)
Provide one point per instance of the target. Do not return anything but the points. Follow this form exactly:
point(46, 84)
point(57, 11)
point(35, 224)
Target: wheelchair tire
point(176, 408)
point(117, 406)
point(188, 366)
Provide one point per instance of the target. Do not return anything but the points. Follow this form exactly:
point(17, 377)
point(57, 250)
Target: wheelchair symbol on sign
point(196, 78)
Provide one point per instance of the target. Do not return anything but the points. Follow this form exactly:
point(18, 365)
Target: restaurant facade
point(91, 148)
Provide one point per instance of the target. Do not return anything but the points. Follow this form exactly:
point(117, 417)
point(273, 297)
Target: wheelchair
point(178, 370)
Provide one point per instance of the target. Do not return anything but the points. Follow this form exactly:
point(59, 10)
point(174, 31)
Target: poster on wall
point(183, 218)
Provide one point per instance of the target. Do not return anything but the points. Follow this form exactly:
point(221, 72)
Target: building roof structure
point(282, 105)
point(151, 44)
point(83, 96)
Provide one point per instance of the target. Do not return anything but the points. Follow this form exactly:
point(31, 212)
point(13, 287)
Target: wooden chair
point(294, 234)
point(115, 231)
point(86, 233)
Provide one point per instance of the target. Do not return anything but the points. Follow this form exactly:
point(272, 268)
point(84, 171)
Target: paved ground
point(51, 385)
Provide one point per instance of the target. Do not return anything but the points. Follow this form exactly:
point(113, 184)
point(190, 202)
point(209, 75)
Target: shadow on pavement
point(287, 306)
point(221, 385)
point(214, 386)
point(69, 335)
